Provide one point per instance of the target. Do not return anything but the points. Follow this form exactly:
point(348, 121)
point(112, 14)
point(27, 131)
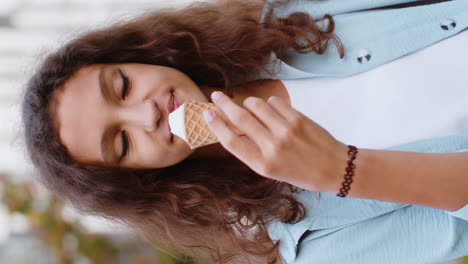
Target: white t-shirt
point(421, 95)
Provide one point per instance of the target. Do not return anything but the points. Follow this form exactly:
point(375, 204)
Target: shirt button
point(448, 24)
point(363, 56)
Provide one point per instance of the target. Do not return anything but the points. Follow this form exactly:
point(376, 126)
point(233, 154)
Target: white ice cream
point(177, 122)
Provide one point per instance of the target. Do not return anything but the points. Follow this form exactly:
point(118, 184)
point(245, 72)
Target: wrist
point(348, 177)
point(336, 169)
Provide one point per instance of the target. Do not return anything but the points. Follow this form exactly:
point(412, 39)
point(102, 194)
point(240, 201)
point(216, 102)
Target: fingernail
point(216, 95)
point(208, 115)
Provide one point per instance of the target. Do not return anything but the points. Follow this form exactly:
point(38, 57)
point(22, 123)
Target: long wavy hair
point(215, 209)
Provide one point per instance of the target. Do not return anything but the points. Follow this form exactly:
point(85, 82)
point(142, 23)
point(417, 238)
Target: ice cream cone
point(188, 123)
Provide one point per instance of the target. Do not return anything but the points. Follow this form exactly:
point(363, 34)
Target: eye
point(124, 140)
point(125, 85)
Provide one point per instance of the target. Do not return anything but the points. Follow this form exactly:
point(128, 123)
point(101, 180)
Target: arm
point(437, 180)
point(289, 147)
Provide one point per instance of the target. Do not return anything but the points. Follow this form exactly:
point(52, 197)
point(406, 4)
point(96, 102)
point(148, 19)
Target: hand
point(281, 143)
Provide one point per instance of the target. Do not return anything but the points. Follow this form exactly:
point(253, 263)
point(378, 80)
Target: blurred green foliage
point(47, 223)
point(464, 260)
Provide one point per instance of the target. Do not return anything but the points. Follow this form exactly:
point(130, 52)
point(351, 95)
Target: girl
point(95, 117)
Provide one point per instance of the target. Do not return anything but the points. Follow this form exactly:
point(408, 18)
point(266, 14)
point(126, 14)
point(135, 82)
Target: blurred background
point(35, 226)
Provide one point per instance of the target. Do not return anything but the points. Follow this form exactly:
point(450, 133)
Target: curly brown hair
point(216, 208)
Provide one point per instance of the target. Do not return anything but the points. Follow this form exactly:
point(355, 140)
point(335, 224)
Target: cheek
point(145, 145)
point(150, 147)
point(149, 152)
point(160, 158)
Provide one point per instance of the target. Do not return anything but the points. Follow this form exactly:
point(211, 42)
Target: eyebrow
point(104, 86)
point(107, 151)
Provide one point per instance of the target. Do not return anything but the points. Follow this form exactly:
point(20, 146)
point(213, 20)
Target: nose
point(143, 114)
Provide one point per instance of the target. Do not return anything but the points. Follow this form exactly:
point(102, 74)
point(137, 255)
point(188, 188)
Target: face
point(116, 115)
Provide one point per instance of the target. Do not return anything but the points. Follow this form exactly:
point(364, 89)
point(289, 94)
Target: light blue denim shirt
point(351, 230)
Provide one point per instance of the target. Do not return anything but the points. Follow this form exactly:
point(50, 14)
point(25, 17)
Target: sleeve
point(413, 234)
point(317, 8)
point(460, 213)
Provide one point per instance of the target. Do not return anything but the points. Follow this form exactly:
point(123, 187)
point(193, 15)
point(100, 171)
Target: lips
point(176, 103)
point(172, 105)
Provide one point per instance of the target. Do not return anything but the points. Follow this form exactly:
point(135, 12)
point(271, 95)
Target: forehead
point(75, 113)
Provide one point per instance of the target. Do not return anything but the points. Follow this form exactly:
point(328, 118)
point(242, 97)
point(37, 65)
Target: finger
point(249, 140)
point(246, 121)
point(235, 144)
point(266, 113)
point(283, 108)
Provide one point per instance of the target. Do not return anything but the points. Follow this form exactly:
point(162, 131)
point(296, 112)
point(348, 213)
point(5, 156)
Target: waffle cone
point(197, 131)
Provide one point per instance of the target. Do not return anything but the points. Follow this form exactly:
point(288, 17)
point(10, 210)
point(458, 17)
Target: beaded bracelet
point(352, 152)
